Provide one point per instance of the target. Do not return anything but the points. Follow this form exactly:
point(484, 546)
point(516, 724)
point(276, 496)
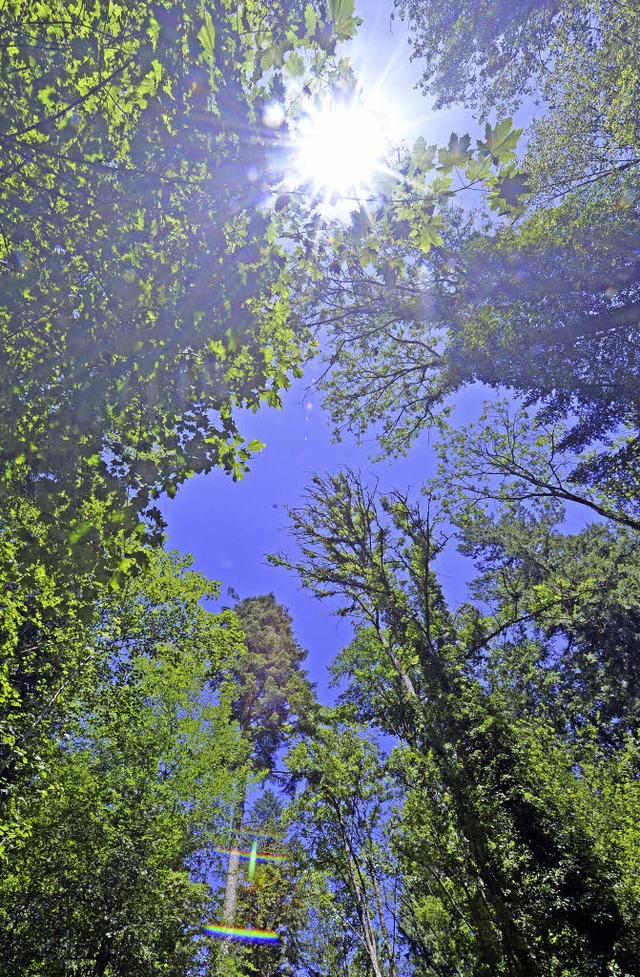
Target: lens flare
point(238, 933)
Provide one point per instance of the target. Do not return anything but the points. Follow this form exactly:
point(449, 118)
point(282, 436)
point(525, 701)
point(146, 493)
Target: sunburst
point(339, 149)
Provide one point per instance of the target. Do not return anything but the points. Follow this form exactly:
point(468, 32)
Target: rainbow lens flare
point(238, 933)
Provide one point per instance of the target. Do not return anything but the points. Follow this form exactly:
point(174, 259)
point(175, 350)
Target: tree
point(572, 595)
point(510, 456)
point(554, 321)
point(546, 303)
point(276, 896)
point(119, 824)
point(340, 814)
point(271, 701)
point(566, 57)
point(141, 301)
point(529, 883)
point(273, 698)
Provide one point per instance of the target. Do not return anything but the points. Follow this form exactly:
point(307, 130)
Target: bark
point(361, 904)
point(624, 317)
point(233, 866)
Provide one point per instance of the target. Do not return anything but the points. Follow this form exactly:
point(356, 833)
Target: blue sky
point(229, 527)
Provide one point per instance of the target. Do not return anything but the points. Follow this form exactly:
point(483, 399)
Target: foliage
point(119, 824)
point(553, 320)
point(509, 867)
point(508, 455)
point(574, 59)
point(503, 53)
point(276, 898)
point(340, 816)
point(272, 697)
point(546, 303)
point(141, 303)
point(271, 702)
point(471, 804)
point(146, 284)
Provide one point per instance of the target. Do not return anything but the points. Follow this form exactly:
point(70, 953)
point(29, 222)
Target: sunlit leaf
point(207, 37)
point(500, 142)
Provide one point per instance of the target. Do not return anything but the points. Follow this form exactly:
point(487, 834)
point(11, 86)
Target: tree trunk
point(233, 865)
point(103, 957)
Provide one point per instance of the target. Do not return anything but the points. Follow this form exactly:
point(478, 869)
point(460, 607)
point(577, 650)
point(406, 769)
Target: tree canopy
point(170, 788)
point(544, 303)
point(507, 714)
point(142, 304)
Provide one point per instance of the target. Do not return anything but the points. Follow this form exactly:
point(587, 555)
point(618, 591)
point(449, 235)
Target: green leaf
point(272, 57)
point(294, 65)
point(422, 157)
point(477, 169)
point(500, 143)
point(79, 532)
point(255, 445)
point(429, 234)
point(310, 19)
point(207, 37)
point(457, 152)
point(505, 198)
point(271, 233)
point(342, 15)
point(116, 580)
point(47, 96)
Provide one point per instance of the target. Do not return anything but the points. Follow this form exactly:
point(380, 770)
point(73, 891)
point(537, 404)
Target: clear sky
point(229, 527)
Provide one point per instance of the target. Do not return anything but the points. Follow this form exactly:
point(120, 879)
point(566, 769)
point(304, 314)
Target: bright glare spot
point(273, 115)
point(340, 148)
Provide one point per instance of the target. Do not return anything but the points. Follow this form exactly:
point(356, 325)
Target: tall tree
point(340, 814)
point(517, 850)
point(141, 300)
point(271, 700)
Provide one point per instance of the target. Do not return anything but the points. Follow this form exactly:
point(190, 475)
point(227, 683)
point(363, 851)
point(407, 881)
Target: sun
point(340, 148)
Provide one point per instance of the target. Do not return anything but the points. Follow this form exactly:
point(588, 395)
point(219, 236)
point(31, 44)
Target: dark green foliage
point(274, 696)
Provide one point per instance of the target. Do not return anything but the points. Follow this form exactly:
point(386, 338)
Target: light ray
point(253, 858)
point(246, 855)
